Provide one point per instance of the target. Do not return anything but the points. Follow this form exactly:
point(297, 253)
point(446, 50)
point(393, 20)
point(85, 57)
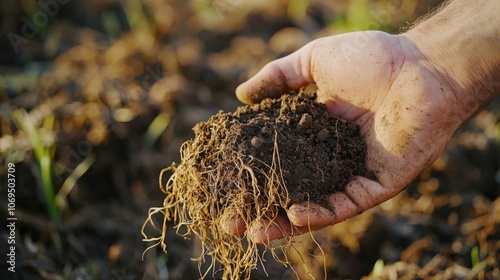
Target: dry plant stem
point(191, 203)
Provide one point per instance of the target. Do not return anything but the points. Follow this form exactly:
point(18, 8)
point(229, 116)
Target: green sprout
point(111, 25)
point(357, 16)
point(43, 149)
point(475, 256)
point(297, 9)
point(156, 128)
point(137, 17)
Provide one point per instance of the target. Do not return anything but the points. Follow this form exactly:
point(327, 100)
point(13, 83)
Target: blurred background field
point(96, 97)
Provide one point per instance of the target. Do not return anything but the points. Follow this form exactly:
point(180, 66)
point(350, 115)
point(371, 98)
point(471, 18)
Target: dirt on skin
point(251, 165)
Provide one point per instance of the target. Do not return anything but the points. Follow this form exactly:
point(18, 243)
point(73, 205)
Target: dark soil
point(317, 153)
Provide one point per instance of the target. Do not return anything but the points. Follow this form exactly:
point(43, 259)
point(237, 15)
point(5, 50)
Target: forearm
point(462, 43)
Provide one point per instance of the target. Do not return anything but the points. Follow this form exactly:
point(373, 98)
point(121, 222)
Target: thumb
point(279, 77)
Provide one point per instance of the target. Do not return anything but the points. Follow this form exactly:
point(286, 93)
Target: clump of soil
point(251, 165)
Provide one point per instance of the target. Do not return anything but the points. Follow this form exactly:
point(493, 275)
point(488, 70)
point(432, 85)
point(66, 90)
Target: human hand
point(405, 108)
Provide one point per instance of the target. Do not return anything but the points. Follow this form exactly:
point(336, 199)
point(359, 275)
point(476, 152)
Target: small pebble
point(257, 142)
point(323, 135)
point(305, 181)
point(305, 121)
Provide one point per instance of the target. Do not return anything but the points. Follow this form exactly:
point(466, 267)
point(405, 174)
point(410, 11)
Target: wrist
point(460, 44)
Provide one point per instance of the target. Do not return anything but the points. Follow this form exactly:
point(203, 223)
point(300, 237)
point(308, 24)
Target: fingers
point(264, 232)
point(360, 194)
point(233, 226)
point(278, 77)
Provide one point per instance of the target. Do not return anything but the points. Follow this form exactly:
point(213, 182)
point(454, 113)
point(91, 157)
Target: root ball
point(252, 165)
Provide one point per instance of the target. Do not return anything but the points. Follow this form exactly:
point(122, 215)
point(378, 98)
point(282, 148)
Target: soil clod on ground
point(252, 164)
